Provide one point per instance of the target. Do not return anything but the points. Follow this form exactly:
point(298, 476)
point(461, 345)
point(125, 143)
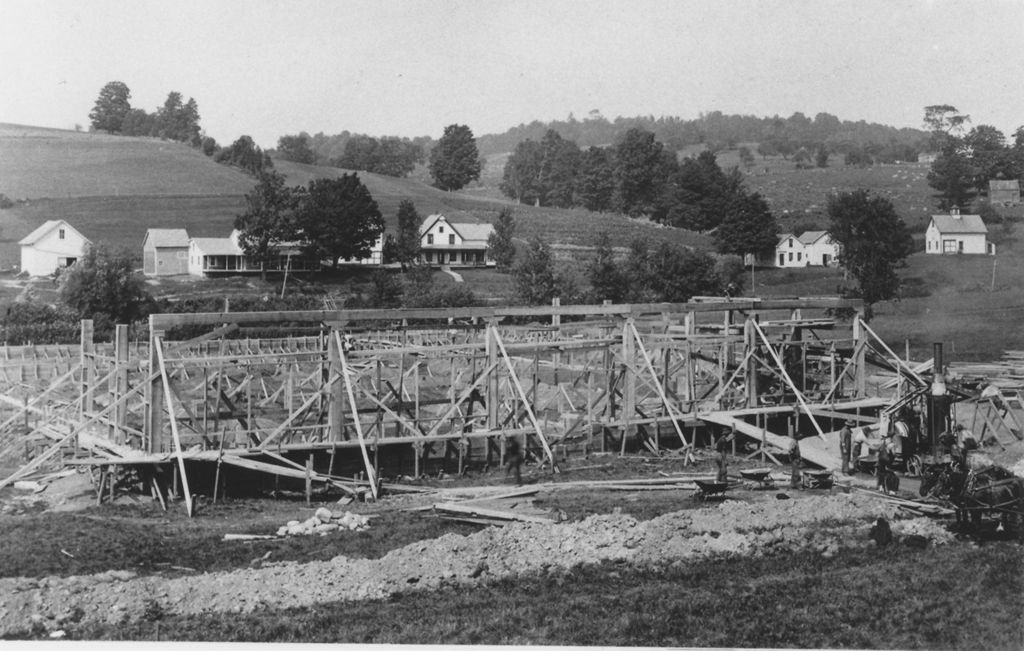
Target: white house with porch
point(217, 256)
point(955, 233)
point(54, 245)
point(455, 244)
point(812, 249)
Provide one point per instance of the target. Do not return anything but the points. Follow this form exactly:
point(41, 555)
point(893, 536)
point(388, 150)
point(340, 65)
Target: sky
point(408, 68)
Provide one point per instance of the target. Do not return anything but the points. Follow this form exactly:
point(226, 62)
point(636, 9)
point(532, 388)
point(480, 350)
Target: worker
point(514, 459)
point(860, 446)
point(882, 466)
point(723, 446)
point(795, 461)
point(846, 444)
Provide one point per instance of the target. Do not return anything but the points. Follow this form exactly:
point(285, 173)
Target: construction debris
point(323, 523)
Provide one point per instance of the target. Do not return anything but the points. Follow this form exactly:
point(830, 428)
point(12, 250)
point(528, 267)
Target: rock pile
point(822, 525)
point(324, 522)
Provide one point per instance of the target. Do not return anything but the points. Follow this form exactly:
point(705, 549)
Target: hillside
point(40, 163)
point(113, 188)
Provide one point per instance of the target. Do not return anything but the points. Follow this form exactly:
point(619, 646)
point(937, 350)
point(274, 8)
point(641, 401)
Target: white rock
point(324, 515)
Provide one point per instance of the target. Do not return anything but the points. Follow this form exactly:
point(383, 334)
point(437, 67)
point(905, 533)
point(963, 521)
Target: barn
point(165, 252)
point(54, 245)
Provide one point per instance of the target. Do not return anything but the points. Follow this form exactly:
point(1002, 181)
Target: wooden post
point(629, 383)
point(749, 343)
point(154, 422)
point(121, 380)
point(88, 370)
point(493, 395)
point(309, 479)
point(858, 336)
point(335, 409)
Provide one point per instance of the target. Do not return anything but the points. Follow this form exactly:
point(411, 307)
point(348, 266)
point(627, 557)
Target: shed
point(165, 252)
point(54, 245)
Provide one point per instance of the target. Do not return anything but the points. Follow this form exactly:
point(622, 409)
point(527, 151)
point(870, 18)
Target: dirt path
point(822, 524)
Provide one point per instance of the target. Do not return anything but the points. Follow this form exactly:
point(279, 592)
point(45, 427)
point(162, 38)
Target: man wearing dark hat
point(846, 444)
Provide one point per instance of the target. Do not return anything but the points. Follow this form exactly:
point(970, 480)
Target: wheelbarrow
point(818, 479)
point(707, 490)
point(762, 476)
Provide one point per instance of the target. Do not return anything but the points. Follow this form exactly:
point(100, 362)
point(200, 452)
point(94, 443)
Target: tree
point(103, 286)
point(640, 171)
point(746, 157)
point(520, 179)
point(595, 181)
point(953, 176)
point(874, 243)
point(178, 121)
point(339, 219)
point(455, 160)
point(245, 154)
point(296, 148)
point(748, 226)
point(608, 281)
point(407, 244)
point(670, 273)
point(269, 218)
point(111, 107)
point(499, 242)
point(821, 157)
point(535, 278)
point(559, 164)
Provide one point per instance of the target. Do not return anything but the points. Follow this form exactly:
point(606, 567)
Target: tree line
point(778, 136)
point(639, 175)
point(968, 160)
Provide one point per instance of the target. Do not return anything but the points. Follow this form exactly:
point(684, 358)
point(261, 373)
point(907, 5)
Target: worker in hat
point(723, 446)
point(846, 445)
point(795, 460)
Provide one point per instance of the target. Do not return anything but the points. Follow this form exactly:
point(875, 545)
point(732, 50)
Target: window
point(791, 242)
point(799, 256)
point(60, 234)
point(790, 256)
point(451, 239)
point(430, 239)
point(440, 229)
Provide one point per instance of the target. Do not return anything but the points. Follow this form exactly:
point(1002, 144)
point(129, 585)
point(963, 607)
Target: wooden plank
point(461, 508)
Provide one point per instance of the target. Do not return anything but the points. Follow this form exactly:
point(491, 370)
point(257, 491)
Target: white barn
point(54, 245)
point(955, 233)
point(812, 249)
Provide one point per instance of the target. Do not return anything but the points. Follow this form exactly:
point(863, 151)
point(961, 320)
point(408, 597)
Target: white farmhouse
point(52, 246)
point(455, 244)
point(956, 233)
point(812, 249)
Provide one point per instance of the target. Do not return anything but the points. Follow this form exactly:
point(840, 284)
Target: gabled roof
point(167, 237)
point(45, 228)
point(467, 231)
point(959, 224)
point(216, 246)
point(810, 237)
point(999, 184)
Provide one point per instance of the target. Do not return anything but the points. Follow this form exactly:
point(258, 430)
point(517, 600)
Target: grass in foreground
point(944, 598)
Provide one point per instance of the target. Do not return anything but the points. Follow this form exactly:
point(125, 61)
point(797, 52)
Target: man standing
point(846, 445)
point(882, 466)
point(723, 445)
point(515, 459)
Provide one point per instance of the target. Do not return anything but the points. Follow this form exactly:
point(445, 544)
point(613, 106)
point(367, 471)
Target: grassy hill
point(50, 163)
point(113, 188)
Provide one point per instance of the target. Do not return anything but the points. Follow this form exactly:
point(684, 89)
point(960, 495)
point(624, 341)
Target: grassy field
point(50, 163)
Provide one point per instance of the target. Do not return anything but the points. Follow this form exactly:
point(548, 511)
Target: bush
point(35, 323)
point(5, 202)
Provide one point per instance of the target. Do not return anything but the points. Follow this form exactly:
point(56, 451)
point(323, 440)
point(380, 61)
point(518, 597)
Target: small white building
point(812, 249)
point(54, 245)
point(455, 244)
point(955, 233)
point(165, 252)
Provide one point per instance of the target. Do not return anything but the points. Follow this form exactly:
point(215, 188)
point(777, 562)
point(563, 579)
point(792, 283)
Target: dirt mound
point(820, 524)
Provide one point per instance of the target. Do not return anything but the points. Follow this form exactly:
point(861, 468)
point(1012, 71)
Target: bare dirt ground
point(679, 530)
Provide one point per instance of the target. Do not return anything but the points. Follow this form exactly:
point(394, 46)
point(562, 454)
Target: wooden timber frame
point(405, 392)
